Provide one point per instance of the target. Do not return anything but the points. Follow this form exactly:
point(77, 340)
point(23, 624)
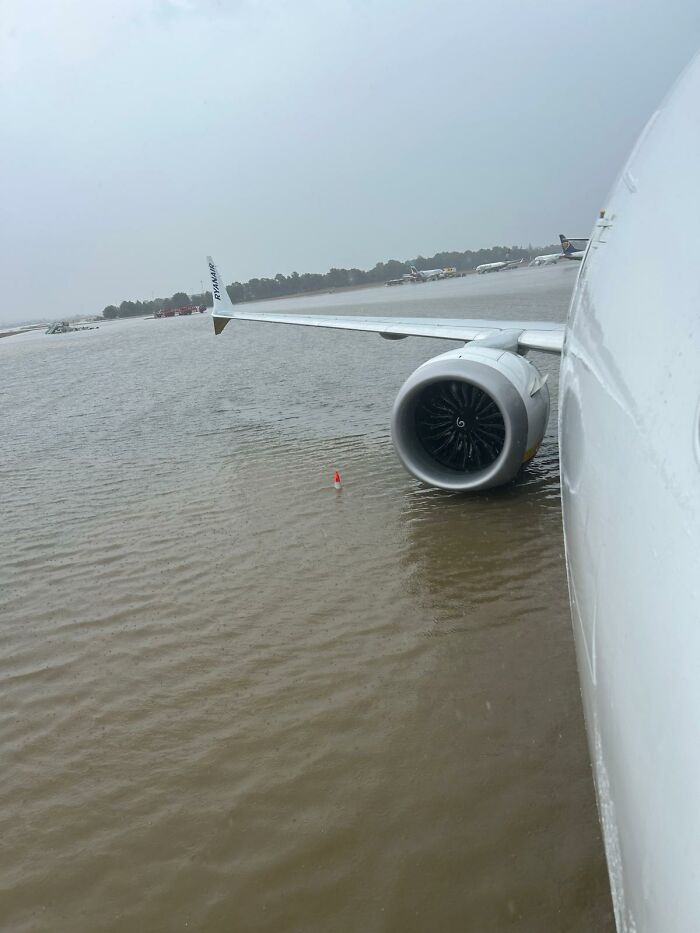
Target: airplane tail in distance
point(414, 271)
point(572, 246)
point(222, 304)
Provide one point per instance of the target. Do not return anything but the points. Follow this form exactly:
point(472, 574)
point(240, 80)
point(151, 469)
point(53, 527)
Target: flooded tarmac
point(236, 699)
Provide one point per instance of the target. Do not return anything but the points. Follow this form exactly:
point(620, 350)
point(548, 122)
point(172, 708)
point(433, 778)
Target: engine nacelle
point(469, 419)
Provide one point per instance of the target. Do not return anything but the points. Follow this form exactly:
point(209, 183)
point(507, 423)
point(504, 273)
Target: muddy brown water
point(234, 699)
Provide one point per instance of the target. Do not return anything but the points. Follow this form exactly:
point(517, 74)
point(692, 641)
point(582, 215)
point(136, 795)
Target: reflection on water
point(235, 699)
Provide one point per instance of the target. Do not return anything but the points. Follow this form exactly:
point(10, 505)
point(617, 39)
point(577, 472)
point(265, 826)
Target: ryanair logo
point(214, 282)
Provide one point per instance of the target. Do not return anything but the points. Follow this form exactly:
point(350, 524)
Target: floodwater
point(234, 699)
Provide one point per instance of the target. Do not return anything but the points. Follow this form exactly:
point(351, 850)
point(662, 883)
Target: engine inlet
point(459, 425)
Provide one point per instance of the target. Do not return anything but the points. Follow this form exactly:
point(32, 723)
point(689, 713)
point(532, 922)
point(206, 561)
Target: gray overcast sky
point(138, 135)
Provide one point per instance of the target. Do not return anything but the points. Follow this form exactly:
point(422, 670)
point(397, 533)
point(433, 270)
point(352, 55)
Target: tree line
point(284, 285)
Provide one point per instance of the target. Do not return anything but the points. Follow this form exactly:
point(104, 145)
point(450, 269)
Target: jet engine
point(469, 419)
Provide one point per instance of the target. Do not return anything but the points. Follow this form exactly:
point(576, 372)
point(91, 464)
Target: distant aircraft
point(425, 275)
point(629, 442)
point(498, 266)
point(572, 251)
point(547, 259)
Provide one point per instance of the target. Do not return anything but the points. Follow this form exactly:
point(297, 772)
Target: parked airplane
point(425, 275)
point(572, 251)
point(630, 475)
point(498, 266)
point(547, 259)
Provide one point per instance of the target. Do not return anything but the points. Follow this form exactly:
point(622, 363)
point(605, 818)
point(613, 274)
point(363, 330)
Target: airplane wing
point(547, 336)
point(516, 335)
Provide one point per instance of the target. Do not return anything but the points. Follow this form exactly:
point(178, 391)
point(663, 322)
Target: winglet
point(219, 324)
point(222, 310)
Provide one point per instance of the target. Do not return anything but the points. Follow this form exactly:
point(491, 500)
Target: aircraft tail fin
point(569, 246)
point(222, 310)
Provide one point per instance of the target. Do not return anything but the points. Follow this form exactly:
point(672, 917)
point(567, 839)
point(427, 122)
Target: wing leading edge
point(547, 336)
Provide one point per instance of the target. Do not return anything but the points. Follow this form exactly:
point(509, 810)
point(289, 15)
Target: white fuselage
point(547, 259)
point(630, 471)
point(424, 275)
point(491, 267)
